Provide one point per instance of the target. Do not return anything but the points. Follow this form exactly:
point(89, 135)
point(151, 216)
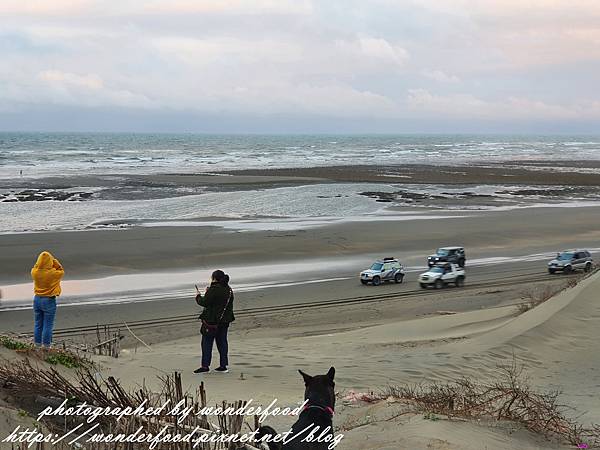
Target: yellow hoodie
point(46, 275)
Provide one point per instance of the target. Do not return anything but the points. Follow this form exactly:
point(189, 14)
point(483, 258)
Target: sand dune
point(556, 342)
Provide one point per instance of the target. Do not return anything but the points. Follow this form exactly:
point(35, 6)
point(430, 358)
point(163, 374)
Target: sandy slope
point(419, 433)
point(556, 342)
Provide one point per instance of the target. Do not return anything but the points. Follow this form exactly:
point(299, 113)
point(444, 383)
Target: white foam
point(291, 224)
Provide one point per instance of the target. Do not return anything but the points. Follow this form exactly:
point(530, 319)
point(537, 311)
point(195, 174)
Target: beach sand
point(163, 251)
point(555, 342)
point(94, 253)
point(371, 345)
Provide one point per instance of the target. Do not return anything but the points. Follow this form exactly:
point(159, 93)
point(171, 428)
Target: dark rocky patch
point(466, 194)
point(547, 192)
point(42, 195)
point(405, 196)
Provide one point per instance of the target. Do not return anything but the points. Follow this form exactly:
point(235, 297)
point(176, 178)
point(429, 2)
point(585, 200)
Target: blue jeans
point(222, 346)
point(44, 310)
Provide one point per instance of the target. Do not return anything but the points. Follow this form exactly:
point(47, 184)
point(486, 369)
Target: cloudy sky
point(300, 65)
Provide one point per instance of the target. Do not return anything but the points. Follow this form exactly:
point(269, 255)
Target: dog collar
point(328, 409)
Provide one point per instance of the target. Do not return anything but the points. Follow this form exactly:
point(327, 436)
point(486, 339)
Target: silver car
point(571, 260)
point(388, 269)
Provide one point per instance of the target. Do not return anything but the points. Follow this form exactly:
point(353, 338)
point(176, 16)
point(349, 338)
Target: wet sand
point(95, 253)
point(584, 174)
point(515, 172)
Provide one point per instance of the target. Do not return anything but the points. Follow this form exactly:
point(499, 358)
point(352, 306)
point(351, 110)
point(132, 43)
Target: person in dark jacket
point(218, 310)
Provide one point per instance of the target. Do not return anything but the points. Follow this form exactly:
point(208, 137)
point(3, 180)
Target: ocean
point(43, 154)
point(27, 158)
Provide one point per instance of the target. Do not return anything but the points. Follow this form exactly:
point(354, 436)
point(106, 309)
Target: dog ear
point(331, 373)
point(307, 377)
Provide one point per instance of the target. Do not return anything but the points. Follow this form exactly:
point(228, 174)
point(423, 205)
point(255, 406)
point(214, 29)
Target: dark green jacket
point(214, 301)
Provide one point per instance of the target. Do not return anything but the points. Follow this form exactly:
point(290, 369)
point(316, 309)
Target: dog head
point(320, 389)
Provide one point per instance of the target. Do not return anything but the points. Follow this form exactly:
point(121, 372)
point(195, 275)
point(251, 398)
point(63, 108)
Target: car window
point(437, 269)
point(376, 266)
point(387, 266)
point(566, 256)
point(442, 252)
point(587, 254)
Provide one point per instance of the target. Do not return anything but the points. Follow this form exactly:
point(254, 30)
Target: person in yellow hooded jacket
point(46, 275)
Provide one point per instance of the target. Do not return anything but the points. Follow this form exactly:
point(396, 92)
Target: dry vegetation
point(34, 388)
point(509, 398)
point(535, 296)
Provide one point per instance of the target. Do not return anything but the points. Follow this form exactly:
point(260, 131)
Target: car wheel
point(588, 267)
point(568, 270)
point(461, 262)
point(423, 285)
point(364, 282)
point(376, 281)
point(551, 271)
point(460, 282)
point(398, 278)
point(439, 284)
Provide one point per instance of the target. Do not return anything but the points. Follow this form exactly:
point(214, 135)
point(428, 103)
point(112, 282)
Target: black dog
point(314, 428)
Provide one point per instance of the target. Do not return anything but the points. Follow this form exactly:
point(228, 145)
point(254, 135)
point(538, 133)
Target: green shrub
point(14, 344)
point(54, 356)
point(66, 359)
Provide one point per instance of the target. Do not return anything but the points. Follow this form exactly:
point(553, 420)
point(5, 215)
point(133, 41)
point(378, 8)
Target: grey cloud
point(365, 62)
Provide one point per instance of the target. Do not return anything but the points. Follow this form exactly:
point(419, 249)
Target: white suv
point(388, 269)
point(440, 275)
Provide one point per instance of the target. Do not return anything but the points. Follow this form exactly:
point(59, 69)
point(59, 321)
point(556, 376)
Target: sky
point(301, 66)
